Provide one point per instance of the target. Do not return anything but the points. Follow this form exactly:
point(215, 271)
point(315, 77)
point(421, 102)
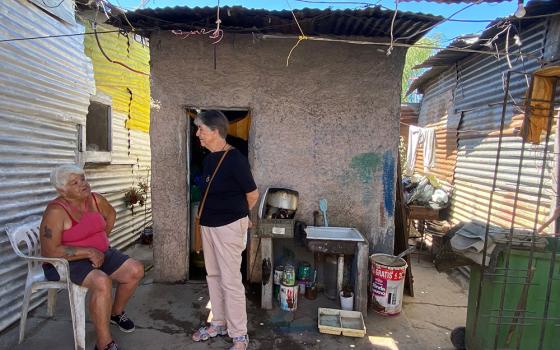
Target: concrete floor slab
point(166, 315)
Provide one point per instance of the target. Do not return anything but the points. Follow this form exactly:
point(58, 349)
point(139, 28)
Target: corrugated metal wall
point(45, 87)
point(477, 84)
point(130, 90)
point(131, 160)
point(434, 114)
point(44, 94)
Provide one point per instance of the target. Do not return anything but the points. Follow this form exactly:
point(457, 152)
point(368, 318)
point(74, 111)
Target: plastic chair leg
point(77, 297)
point(51, 301)
point(24, 310)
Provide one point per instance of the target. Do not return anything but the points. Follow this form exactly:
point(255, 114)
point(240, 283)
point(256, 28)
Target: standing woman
point(224, 221)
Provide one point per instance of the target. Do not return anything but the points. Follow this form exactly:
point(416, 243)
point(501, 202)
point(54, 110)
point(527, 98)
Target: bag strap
point(209, 183)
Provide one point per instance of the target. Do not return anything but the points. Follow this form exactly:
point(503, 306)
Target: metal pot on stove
point(283, 199)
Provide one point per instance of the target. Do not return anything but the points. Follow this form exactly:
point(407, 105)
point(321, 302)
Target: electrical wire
point(109, 59)
point(58, 36)
point(359, 42)
point(300, 38)
point(50, 6)
point(438, 23)
point(390, 49)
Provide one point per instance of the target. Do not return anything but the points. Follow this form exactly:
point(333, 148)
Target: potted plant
point(136, 195)
point(347, 298)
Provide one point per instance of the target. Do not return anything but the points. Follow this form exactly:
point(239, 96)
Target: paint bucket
point(288, 297)
point(347, 303)
point(311, 291)
point(301, 286)
point(289, 276)
point(304, 271)
point(387, 286)
point(278, 272)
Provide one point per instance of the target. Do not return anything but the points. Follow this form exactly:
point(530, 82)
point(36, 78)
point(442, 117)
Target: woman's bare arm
point(51, 229)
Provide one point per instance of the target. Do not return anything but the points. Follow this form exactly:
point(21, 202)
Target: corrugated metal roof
point(371, 22)
point(444, 58)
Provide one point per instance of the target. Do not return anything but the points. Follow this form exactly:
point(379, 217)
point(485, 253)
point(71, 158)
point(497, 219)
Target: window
point(97, 139)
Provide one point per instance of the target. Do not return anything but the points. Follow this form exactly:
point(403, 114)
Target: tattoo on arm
point(47, 232)
point(69, 251)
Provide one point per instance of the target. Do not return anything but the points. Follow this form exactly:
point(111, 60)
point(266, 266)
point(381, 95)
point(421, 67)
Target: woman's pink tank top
point(89, 232)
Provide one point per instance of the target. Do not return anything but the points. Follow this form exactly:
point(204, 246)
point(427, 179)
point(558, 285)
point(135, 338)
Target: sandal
point(240, 343)
point(205, 333)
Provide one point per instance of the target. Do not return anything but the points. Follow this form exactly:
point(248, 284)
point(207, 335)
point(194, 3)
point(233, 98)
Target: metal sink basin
point(334, 233)
point(333, 240)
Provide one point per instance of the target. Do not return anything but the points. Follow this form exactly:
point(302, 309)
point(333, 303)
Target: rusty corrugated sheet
point(44, 93)
point(476, 84)
point(434, 114)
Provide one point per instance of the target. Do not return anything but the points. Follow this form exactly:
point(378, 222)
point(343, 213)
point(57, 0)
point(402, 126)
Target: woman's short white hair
point(60, 174)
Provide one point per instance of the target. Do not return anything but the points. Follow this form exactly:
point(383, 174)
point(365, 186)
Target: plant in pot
point(347, 298)
point(136, 195)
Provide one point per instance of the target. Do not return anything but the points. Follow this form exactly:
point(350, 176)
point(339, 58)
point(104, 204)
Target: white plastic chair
point(28, 232)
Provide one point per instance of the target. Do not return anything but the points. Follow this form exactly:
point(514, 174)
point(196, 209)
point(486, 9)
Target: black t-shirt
point(226, 201)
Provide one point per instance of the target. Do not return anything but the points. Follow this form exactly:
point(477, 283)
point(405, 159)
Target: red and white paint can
point(288, 297)
point(387, 283)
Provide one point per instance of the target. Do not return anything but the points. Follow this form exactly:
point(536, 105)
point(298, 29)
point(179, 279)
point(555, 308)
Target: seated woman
point(76, 227)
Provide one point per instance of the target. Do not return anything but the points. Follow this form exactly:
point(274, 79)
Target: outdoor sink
point(333, 240)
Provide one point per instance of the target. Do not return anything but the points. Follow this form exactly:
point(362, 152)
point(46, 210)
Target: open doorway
point(238, 137)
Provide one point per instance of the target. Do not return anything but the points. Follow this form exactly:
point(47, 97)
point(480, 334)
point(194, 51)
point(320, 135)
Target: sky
point(447, 31)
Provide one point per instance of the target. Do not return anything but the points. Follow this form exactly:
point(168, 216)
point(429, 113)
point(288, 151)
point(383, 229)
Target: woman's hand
point(96, 258)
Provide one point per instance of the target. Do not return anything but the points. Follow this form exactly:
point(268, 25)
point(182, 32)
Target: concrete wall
point(326, 126)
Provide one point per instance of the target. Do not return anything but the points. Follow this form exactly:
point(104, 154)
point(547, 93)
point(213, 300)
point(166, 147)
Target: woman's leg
point(229, 243)
point(100, 301)
point(213, 276)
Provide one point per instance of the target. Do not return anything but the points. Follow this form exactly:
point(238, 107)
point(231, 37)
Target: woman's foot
point(211, 331)
point(111, 346)
point(240, 343)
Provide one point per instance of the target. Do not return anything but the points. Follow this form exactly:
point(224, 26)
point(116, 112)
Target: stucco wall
point(326, 126)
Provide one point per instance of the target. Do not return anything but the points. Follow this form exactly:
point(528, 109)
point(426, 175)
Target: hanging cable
point(300, 38)
point(109, 59)
point(427, 47)
point(390, 49)
point(58, 36)
point(216, 34)
point(50, 6)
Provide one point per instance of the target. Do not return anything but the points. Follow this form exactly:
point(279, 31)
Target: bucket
point(301, 286)
point(278, 272)
point(347, 303)
point(288, 297)
point(387, 284)
point(304, 271)
point(311, 291)
point(289, 276)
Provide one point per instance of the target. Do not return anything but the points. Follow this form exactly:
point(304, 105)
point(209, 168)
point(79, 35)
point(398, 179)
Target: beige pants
point(222, 247)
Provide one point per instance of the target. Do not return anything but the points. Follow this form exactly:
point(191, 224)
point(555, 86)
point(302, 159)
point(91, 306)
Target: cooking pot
point(283, 199)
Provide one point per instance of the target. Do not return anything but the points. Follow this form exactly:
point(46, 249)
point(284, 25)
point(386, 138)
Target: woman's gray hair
point(60, 174)
point(214, 120)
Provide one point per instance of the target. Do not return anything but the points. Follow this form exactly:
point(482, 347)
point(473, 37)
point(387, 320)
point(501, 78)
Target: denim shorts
point(79, 269)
